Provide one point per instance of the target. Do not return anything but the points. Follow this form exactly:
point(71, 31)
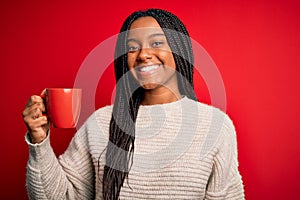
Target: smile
point(147, 69)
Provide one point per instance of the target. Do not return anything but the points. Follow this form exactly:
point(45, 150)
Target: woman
point(156, 142)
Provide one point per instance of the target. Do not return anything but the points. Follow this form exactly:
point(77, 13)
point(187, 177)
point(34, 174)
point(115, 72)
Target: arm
point(225, 181)
point(69, 177)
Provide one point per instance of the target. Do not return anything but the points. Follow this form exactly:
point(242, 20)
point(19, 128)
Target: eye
point(157, 44)
point(133, 48)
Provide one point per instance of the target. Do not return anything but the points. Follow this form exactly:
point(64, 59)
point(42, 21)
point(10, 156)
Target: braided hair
point(120, 148)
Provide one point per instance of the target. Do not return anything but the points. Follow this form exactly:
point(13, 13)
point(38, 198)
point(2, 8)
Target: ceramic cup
point(63, 106)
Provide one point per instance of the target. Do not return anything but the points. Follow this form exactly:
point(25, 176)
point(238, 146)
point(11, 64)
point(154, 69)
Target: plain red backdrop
point(255, 44)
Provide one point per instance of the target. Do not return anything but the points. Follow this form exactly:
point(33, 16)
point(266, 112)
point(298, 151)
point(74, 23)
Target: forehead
point(144, 22)
point(144, 26)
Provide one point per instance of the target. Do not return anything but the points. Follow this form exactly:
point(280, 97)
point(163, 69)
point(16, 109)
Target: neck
point(152, 97)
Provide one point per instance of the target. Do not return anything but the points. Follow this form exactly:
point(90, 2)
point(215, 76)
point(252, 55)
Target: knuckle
point(24, 113)
point(41, 106)
point(26, 119)
point(34, 99)
point(34, 107)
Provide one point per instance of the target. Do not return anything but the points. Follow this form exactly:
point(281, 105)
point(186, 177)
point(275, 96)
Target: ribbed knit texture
point(183, 150)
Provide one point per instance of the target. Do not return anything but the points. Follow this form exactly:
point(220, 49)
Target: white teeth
point(148, 68)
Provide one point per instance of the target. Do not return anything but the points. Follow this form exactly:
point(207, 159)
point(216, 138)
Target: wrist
point(37, 138)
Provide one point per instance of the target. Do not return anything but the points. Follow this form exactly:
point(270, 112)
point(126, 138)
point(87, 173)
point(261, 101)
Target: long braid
point(120, 148)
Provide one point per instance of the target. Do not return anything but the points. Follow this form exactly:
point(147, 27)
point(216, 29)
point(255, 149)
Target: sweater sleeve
point(71, 176)
point(225, 181)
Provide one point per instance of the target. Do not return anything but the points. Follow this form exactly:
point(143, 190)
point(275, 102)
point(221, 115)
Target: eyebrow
point(150, 36)
point(156, 34)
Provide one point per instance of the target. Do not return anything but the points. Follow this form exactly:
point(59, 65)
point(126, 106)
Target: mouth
point(147, 70)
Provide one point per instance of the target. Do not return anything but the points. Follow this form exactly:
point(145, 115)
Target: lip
point(146, 70)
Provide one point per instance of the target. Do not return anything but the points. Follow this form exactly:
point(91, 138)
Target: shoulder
point(221, 126)
point(221, 131)
point(209, 112)
point(96, 130)
point(100, 117)
point(104, 111)
point(215, 120)
point(103, 114)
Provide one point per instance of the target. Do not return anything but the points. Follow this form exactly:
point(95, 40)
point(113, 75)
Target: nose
point(145, 54)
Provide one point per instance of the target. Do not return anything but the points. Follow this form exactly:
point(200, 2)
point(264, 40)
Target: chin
point(150, 86)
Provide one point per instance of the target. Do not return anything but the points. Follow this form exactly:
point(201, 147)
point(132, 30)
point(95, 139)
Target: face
point(150, 59)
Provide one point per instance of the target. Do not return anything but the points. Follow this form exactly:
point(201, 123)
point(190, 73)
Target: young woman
point(155, 142)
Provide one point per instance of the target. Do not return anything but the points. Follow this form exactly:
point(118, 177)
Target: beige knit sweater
point(183, 150)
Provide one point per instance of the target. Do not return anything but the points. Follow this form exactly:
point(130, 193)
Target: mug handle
point(43, 95)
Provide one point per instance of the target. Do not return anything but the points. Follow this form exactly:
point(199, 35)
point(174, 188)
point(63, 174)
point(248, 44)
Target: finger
point(39, 130)
point(33, 100)
point(29, 111)
point(35, 124)
point(36, 113)
point(41, 106)
point(32, 116)
point(39, 122)
point(33, 108)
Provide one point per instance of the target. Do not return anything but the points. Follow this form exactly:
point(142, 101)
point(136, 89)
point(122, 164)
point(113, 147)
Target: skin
point(35, 118)
point(148, 46)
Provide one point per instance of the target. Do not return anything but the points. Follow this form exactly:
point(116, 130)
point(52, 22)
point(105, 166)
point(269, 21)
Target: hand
point(35, 118)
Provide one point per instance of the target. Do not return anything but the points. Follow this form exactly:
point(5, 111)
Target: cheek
point(168, 59)
point(130, 61)
point(131, 64)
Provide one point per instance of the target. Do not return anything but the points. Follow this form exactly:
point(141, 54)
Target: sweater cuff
point(39, 151)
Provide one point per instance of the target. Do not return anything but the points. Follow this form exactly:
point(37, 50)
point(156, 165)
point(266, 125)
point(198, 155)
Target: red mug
point(63, 106)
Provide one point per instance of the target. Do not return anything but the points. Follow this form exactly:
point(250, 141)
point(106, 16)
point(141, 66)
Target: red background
point(255, 45)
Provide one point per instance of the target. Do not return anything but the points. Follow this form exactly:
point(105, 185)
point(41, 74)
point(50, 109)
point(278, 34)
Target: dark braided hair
point(120, 148)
